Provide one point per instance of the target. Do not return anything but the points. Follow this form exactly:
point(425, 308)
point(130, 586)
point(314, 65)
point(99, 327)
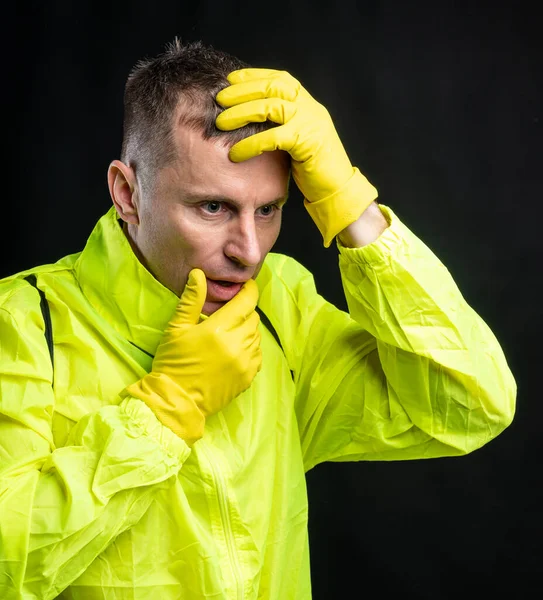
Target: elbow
point(504, 406)
point(475, 419)
point(493, 415)
point(497, 399)
point(502, 401)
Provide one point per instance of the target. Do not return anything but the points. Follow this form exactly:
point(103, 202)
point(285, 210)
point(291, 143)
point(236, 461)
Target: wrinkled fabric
point(98, 500)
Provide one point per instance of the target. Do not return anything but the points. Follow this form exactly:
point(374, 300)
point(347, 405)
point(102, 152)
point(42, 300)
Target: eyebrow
point(194, 197)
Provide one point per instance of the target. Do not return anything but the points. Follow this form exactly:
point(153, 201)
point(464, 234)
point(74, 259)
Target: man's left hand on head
point(335, 192)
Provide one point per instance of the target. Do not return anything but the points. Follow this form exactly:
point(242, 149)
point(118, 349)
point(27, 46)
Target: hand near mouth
point(200, 367)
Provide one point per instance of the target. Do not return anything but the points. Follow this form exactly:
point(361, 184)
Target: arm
point(366, 229)
point(412, 372)
point(60, 507)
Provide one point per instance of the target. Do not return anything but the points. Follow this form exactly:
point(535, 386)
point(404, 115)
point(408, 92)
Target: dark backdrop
point(440, 105)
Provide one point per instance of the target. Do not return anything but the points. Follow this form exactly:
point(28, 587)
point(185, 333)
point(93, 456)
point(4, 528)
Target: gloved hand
point(200, 367)
point(335, 193)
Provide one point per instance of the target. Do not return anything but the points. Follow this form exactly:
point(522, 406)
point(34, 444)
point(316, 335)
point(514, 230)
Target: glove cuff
point(333, 213)
point(170, 405)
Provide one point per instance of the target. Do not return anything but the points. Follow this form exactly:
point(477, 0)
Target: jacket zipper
point(225, 518)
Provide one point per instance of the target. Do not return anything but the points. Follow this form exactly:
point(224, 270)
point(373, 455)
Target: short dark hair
point(192, 74)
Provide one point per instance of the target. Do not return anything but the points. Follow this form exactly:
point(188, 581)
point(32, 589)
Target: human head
point(172, 153)
point(181, 82)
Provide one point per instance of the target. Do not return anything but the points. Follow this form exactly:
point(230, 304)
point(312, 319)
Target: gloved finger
point(250, 342)
point(246, 330)
point(265, 141)
point(256, 351)
point(251, 325)
point(286, 88)
point(241, 306)
point(256, 111)
point(192, 300)
point(240, 75)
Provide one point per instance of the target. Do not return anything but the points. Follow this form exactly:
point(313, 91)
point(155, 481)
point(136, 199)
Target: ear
point(123, 189)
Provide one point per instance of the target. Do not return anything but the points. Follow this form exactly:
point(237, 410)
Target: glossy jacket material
point(98, 500)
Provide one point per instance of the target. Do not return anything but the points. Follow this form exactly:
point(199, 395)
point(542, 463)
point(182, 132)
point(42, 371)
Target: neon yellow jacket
point(98, 500)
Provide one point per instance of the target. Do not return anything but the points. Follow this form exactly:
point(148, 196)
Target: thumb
point(192, 300)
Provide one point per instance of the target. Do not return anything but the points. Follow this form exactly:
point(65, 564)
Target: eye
point(269, 209)
point(213, 207)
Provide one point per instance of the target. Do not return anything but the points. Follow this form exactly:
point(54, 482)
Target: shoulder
point(16, 293)
point(285, 270)
point(21, 293)
point(287, 291)
point(21, 319)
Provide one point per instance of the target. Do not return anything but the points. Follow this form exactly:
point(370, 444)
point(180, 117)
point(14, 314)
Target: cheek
point(197, 245)
point(269, 234)
point(168, 243)
point(172, 231)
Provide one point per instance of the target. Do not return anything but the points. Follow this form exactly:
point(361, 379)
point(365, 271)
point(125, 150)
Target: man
point(164, 391)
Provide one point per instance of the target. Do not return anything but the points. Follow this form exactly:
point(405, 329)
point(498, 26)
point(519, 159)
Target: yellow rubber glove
point(335, 193)
point(200, 367)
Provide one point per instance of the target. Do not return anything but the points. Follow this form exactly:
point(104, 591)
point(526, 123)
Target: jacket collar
point(120, 288)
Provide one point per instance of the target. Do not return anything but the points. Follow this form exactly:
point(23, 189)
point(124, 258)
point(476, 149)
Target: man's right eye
point(212, 207)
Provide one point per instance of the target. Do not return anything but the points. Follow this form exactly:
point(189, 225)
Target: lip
point(218, 293)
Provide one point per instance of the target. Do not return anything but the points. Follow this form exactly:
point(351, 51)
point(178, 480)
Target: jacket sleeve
point(411, 372)
point(60, 507)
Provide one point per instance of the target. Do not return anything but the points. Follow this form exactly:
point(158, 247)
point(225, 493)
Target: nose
point(243, 244)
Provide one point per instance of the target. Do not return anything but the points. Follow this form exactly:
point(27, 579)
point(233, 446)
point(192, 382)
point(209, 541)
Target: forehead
point(204, 166)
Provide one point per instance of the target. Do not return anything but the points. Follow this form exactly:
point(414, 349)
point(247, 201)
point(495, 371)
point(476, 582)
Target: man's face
point(207, 212)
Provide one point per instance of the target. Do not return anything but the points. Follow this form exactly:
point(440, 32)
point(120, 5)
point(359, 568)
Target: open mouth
point(223, 283)
point(219, 290)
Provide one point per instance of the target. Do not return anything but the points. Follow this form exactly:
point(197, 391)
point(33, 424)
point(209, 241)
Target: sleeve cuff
point(380, 250)
point(144, 417)
point(334, 213)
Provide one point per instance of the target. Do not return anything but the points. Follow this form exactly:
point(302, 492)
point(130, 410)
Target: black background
point(440, 104)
